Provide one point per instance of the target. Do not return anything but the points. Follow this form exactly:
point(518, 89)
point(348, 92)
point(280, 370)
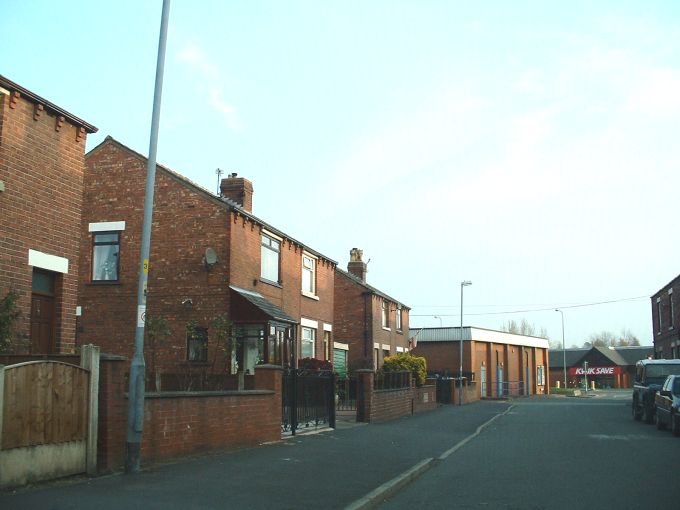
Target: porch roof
point(259, 301)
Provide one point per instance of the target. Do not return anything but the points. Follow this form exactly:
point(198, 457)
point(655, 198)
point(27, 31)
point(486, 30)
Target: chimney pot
point(356, 265)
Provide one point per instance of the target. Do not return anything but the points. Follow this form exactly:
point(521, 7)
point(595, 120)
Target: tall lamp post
point(464, 283)
point(564, 351)
point(440, 320)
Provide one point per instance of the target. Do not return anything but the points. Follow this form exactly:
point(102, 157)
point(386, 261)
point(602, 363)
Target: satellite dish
point(210, 258)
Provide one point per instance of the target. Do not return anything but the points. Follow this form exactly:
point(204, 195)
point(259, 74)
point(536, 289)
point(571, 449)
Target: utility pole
point(135, 423)
point(460, 347)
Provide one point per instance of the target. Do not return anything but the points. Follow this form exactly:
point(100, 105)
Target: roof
point(370, 288)
point(619, 356)
point(467, 333)
point(270, 309)
point(665, 288)
point(216, 198)
point(8, 84)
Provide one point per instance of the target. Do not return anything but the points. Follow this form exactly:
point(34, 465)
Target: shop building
point(603, 367)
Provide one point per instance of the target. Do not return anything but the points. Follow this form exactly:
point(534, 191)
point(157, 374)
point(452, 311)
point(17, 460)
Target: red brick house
point(666, 321)
point(42, 150)
point(211, 261)
point(369, 324)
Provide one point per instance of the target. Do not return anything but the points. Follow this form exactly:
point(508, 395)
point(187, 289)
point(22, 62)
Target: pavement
point(354, 466)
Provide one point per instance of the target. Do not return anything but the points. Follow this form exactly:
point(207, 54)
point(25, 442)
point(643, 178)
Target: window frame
point(672, 309)
point(399, 319)
point(659, 314)
point(96, 244)
point(307, 341)
point(268, 245)
point(540, 375)
point(385, 315)
point(311, 290)
point(197, 334)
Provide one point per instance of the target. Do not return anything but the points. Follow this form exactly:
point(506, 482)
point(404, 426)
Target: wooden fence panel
point(44, 402)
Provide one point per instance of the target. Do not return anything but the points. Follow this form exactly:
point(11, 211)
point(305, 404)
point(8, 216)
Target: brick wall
point(41, 165)
point(665, 328)
point(358, 321)
point(287, 292)
point(186, 221)
point(384, 405)
point(185, 423)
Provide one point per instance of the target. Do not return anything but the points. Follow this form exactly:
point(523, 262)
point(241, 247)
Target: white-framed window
point(270, 256)
point(105, 256)
point(398, 318)
point(540, 375)
point(385, 314)
point(672, 307)
point(308, 274)
point(307, 345)
point(658, 312)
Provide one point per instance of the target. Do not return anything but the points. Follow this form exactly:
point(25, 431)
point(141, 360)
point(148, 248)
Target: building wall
point(666, 327)
point(287, 293)
point(353, 313)
point(185, 223)
point(480, 356)
point(41, 166)
point(358, 319)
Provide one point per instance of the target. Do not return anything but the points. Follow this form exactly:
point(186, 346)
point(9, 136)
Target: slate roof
point(270, 309)
point(215, 198)
point(618, 356)
point(370, 288)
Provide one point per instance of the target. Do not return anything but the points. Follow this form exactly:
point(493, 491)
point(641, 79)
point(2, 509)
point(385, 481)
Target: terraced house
point(227, 291)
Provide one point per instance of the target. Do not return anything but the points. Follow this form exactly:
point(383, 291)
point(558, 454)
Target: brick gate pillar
point(365, 379)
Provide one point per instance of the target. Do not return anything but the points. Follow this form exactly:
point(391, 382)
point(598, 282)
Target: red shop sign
point(579, 371)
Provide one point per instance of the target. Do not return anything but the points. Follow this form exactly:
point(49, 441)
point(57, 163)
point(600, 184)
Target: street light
point(564, 352)
point(440, 320)
point(464, 283)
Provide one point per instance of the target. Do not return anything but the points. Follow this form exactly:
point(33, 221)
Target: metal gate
point(308, 400)
point(444, 390)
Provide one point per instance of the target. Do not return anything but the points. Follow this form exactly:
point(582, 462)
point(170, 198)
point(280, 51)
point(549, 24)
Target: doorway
point(42, 312)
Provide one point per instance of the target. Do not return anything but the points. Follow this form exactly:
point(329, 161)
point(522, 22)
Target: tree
point(524, 327)
point(608, 339)
point(10, 336)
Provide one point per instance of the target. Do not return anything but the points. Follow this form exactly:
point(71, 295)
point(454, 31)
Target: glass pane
point(269, 264)
point(105, 262)
point(106, 238)
point(43, 282)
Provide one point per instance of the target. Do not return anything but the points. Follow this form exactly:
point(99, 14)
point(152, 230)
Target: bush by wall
point(407, 361)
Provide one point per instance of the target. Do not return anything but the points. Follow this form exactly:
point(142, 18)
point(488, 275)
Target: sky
point(530, 147)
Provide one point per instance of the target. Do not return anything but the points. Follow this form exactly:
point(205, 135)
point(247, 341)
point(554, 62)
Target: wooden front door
point(42, 313)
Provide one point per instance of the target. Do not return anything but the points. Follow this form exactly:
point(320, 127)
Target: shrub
point(10, 337)
point(407, 361)
point(315, 364)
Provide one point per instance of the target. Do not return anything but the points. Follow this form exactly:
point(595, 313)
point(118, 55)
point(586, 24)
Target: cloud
point(211, 82)
point(656, 93)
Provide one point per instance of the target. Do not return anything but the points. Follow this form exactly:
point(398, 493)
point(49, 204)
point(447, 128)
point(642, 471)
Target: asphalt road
point(556, 453)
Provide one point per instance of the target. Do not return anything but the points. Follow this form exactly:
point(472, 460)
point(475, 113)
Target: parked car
point(667, 402)
point(650, 375)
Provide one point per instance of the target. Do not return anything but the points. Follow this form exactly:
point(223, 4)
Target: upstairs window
point(398, 318)
point(308, 275)
point(658, 312)
point(105, 256)
point(270, 255)
point(385, 315)
point(672, 307)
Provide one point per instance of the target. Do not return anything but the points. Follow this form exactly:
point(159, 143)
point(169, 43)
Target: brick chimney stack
point(356, 265)
point(239, 190)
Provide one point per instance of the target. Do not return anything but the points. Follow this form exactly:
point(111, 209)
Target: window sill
point(386, 329)
point(104, 283)
point(269, 282)
point(310, 296)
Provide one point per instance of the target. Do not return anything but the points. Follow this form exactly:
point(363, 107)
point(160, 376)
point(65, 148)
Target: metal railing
point(308, 399)
point(346, 391)
point(391, 380)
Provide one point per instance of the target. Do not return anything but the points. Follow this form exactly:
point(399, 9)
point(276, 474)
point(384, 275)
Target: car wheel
point(637, 412)
point(648, 414)
point(659, 422)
